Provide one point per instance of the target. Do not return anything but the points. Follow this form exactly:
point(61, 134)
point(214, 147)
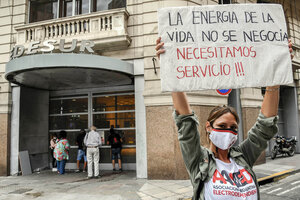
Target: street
point(287, 189)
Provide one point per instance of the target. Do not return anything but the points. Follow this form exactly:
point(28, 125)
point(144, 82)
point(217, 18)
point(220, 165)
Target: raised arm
point(180, 101)
point(269, 107)
point(265, 127)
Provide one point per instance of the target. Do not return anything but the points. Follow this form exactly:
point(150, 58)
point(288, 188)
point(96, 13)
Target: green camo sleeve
point(189, 140)
point(258, 136)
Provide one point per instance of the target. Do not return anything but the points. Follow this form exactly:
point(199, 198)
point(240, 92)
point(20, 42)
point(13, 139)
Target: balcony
point(107, 29)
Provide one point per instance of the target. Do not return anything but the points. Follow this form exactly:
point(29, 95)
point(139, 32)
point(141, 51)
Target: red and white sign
point(224, 46)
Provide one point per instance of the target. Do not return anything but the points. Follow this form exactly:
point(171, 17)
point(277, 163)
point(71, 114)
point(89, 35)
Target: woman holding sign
point(223, 171)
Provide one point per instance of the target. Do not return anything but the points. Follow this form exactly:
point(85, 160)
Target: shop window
point(42, 10)
point(68, 122)
point(105, 103)
point(125, 102)
point(65, 106)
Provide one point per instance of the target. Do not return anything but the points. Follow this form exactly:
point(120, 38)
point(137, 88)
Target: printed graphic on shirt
point(236, 184)
point(230, 181)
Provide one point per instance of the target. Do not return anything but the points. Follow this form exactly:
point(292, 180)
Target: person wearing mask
point(92, 141)
point(223, 165)
point(115, 141)
point(61, 151)
point(81, 150)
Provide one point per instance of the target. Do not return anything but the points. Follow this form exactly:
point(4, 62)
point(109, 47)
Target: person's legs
point(84, 166)
point(89, 156)
point(96, 161)
point(113, 164)
point(119, 158)
point(120, 164)
point(80, 154)
point(63, 165)
point(113, 157)
point(59, 166)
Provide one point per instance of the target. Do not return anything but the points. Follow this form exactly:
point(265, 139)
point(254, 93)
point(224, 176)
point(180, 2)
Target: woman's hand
point(159, 45)
point(291, 49)
point(180, 101)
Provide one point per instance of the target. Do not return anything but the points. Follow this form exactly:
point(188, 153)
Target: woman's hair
point(53, 135)
point(219, 111)
point(62, 135)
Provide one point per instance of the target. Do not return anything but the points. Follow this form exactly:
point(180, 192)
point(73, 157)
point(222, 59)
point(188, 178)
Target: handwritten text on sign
point(232, 46)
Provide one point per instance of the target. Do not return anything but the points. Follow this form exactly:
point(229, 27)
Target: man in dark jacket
point(81, 150)
point(115, 141)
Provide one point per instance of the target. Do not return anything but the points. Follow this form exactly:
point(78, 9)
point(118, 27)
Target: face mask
point(223, 138)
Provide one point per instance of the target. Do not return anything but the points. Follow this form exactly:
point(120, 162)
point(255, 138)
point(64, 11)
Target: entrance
point(73, 112)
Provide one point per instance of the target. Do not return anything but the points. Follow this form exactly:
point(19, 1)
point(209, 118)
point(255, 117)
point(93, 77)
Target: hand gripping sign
point(224, 46)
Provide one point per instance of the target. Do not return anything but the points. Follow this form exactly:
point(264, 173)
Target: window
point(79, 111)
point(82, 7)
point(48, 9)
point(42, 10)
point(114, 110)
point(99, 5)
point(224, 1)
point(66, 8)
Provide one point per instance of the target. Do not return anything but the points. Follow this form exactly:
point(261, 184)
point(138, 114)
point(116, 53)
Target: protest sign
point(224, 47)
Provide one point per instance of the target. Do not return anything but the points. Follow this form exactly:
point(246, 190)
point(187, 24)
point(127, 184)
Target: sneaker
point(54, 169)
point(120, 169)
point(114, 169)
point(97, 176)
point(89, 177)
point(77, 171)
point(84, 171)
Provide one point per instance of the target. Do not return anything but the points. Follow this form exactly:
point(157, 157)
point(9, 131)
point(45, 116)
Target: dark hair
point(219, 111)
point(112, 130)
point(82, 131)
point(53, 135)
point(62, 135)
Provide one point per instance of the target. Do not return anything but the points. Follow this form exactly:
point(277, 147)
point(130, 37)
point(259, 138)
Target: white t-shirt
point(230, 182)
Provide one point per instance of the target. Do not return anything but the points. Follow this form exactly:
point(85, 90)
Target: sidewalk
point(276, 169)
point(118, 186)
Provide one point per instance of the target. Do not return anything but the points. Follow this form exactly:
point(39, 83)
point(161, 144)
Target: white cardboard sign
point(224, 47)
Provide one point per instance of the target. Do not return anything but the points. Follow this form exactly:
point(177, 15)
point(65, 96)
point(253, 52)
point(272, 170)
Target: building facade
point(70, 64)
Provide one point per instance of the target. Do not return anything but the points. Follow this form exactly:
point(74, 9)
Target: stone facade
point(11, 13)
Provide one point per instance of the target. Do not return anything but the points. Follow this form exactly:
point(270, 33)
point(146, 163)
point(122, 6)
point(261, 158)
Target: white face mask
point(223, 138)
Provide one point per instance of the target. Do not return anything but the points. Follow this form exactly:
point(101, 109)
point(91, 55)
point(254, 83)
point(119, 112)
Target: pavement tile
point(184, 190)
point(163, 195)
point(148, 198)
point(147, 186)
point(173, 187)
point(153, 191)
point(141, 194)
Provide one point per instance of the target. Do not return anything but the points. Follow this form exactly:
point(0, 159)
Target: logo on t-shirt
point(237, 184)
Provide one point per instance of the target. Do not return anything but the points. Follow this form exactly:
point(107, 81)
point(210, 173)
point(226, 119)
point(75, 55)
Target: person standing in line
point(52, 147)
point(81, 150)
point(114, 139)
point(92, 141)
point(61, 151)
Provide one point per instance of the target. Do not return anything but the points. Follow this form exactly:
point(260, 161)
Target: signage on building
point(48, 46)
point(223, 91)
point(224, 47)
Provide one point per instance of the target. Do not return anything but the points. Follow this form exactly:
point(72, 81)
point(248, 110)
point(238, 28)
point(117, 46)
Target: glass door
point(72, 113)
